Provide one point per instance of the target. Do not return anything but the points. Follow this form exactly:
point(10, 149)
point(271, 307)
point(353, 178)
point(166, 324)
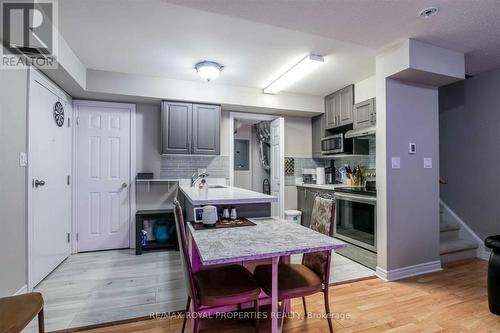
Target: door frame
point(253, 116)
point(132, 167)
point(36, 75)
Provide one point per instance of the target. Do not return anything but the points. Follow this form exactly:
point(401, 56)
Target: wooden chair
point(16, 312)
point(313, 275)
point(212, 287)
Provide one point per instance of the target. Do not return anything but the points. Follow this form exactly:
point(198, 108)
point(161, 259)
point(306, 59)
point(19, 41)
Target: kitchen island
point(247, 203)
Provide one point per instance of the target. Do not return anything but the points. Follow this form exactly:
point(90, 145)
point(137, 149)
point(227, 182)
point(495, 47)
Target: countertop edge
point(195, 202)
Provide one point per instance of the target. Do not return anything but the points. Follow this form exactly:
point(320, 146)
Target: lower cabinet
point(305, 201)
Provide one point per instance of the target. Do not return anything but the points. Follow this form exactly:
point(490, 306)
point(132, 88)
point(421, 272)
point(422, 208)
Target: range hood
point(361, 132)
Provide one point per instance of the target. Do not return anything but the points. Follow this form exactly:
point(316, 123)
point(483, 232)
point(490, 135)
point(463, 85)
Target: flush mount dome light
point(208, 70)
point(428, 12)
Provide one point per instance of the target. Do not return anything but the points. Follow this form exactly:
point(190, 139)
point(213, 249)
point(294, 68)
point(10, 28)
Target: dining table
point(269, 238)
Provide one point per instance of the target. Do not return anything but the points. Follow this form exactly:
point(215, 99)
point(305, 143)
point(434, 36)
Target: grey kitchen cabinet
point(318, 132)
point(338, 108)
point(364, 114)
point(176, 127)
point(301, 203)
point(331, 110)
point(346, 100)
point(190, 128)
point(206, 129)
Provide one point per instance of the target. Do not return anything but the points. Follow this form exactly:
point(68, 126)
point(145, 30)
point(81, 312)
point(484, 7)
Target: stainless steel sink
point(217, 186)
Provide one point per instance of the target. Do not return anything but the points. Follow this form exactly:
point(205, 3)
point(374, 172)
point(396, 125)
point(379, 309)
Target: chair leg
point(41, 322)
point(196, 325)
point(256, 309)
point(305, 307)
point(327, 309)
point(185, 314)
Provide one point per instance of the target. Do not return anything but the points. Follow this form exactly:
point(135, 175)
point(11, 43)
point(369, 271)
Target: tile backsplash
point(183, 166)
point(300, 163)
point(367, 161)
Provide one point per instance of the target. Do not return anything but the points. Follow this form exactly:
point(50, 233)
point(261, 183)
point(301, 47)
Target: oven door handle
point(356, 198)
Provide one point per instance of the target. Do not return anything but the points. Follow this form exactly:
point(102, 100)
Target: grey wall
point(243, 178)
point(469, 151)
point(148, 140)
point(412, 191)
point(13, 108)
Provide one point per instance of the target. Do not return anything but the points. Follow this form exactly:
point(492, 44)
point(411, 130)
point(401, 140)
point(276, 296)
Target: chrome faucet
point(195, 177)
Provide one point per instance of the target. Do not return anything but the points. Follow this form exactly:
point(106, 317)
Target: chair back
point(322, 221)
point(180, 227)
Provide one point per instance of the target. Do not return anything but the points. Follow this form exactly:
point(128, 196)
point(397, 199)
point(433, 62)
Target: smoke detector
point(428, 12)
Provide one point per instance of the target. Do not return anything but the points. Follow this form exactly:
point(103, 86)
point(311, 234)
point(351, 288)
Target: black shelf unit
point(142, 215)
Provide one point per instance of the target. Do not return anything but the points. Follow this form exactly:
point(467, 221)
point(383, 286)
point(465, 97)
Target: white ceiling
point(469, 26)
point(257, 40)
point(152, 37)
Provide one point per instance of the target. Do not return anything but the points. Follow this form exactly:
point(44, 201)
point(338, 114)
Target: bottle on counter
point(234, 215)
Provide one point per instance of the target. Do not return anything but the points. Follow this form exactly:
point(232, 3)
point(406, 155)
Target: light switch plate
point(412, 148)
point(396, 163)
point(23, 159)
point(427, 163)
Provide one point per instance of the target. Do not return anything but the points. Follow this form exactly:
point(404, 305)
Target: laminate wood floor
point(99, 287)
point(453, 300)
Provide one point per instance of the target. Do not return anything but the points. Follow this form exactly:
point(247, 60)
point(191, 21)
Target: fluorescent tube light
point(298, 71)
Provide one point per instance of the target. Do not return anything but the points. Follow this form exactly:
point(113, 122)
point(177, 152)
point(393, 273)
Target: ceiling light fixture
point(428, 12)
point(208, 70)
point(298, 71)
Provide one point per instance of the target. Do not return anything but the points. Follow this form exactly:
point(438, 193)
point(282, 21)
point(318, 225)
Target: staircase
point(455, 243)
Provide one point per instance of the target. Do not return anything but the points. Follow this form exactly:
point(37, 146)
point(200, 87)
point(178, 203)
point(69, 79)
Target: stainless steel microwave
point(336, 144)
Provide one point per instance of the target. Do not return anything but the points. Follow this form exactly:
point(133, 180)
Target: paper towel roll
point(320, 176)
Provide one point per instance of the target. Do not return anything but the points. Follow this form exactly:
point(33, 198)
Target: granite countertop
point(268, 238)
point(227, 195)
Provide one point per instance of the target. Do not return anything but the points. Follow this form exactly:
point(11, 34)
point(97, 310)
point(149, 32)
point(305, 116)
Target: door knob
point(124, 185)
point(39, 182)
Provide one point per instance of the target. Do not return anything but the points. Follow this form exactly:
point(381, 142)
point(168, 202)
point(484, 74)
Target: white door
point(49, 202)
point(103, 175)
point(277, 166)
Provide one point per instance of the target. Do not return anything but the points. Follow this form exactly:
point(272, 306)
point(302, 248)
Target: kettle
point(209, 217)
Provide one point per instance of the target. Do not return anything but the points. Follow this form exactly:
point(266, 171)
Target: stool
point(16, 312)
point(493, 242)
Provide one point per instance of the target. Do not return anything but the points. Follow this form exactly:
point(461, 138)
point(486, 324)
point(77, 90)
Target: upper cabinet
point(338, 108)
point(364, 114)
point(346, 100)
point(318, 132)
point(190, 128)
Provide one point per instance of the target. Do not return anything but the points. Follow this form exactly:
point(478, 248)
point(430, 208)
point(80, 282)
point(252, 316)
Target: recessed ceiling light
point(428, 12)
point(208, 70)
point(298, 71)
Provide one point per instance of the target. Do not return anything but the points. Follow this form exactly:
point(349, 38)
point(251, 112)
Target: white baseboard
point(482, 251)
point(405, 272)
point(22, 290)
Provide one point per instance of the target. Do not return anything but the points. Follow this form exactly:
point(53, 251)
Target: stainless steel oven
point(336, 144)
point(356, 220)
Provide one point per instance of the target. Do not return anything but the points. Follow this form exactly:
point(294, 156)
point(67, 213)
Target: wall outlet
point(23, 159)
point(427, 163)
point(396, 163)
